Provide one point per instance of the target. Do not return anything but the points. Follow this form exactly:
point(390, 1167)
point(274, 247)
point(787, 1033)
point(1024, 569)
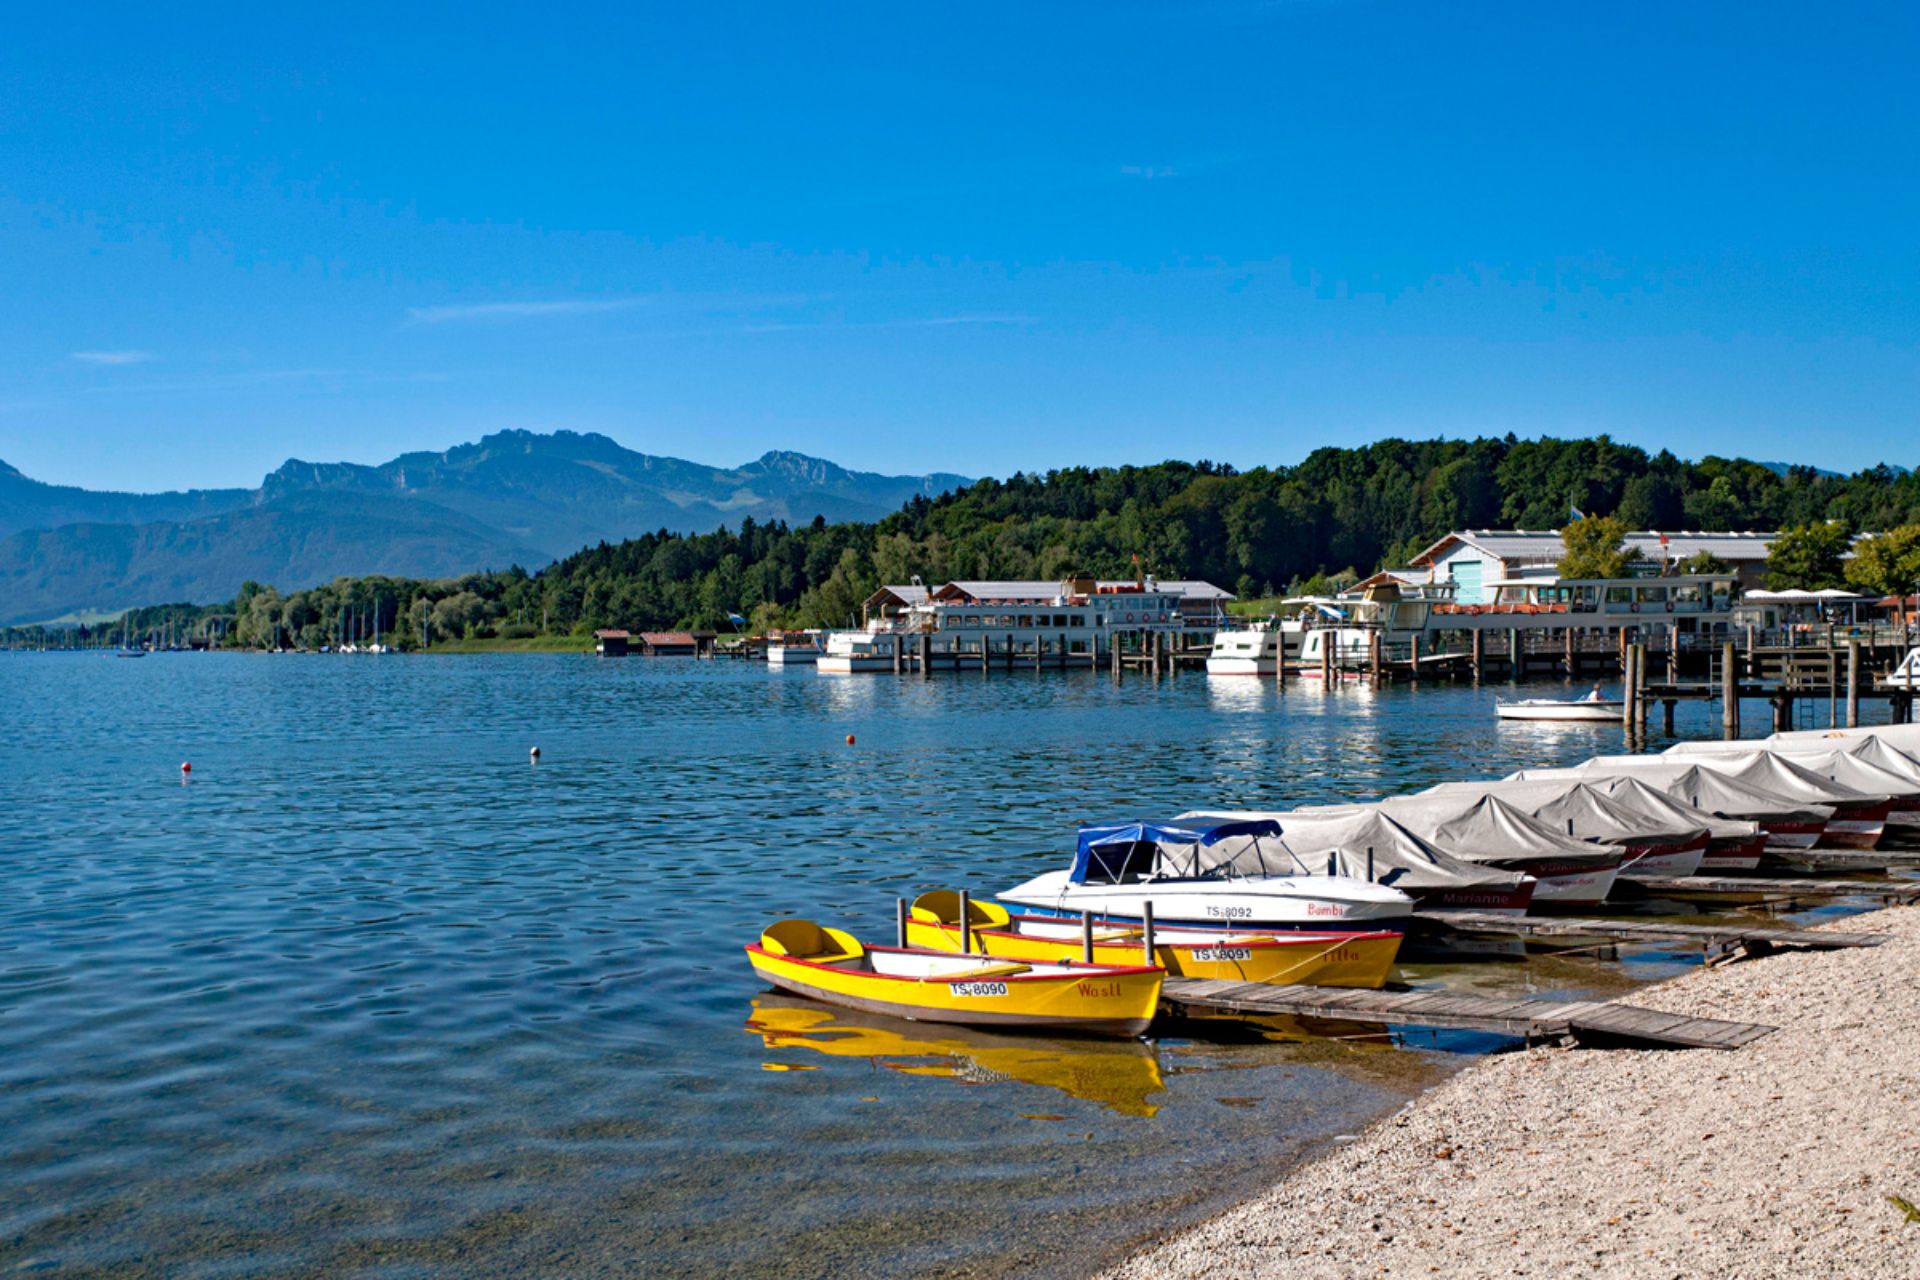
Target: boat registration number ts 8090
point(1204, 955)
point(977, 988)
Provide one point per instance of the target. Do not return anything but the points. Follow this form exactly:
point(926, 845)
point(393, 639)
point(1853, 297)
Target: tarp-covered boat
point(1865, 764)
point(1858, 818)
point(1656, 844)
point(805, 959)
point(1789, 824)
point(1209, 872)
point(1489, 830)
point(1366, 844)
point(1316, 959)
point(1733, 844)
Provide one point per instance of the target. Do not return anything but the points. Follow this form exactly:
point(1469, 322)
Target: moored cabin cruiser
point(1204, 871)
point(793, 648)
point(1252, 651)
point(849, 651)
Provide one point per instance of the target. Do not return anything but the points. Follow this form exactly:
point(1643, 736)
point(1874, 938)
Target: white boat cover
point(1766, 771)
point(1848, 768)
point(1633, 793)
point(1684, 780)
point(1581, 810)
point(1901, 737)
point(1366, 840)
point(1483, 828)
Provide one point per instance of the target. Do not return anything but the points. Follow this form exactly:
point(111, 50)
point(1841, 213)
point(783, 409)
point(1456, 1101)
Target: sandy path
point(1773, 1160)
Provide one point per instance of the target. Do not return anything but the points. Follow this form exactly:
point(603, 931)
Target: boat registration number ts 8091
point(1204, 955)
point(977, 988)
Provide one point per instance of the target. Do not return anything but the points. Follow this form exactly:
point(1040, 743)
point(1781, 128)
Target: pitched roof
point(657, 638)
point(1038, 589)
point(1543, 545)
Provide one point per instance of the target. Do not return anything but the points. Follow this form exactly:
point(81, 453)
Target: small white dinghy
point(1593, 708)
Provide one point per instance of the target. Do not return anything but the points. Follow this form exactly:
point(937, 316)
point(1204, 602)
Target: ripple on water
point(371, 994)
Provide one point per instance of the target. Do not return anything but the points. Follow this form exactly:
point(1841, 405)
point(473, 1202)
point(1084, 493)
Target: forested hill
point(1253, 531)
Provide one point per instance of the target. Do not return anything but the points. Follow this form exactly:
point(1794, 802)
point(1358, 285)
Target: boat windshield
point(1205, 849)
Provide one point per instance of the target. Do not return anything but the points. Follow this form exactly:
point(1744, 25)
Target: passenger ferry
point(850, 651)
point(1255, 651)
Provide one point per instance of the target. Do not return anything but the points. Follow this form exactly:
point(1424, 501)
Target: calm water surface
point(372, 995)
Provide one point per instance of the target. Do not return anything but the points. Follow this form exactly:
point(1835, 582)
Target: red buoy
point(849, 739)
point(186, 766)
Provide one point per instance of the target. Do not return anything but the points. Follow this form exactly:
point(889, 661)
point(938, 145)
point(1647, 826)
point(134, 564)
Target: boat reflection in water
point(1121, 1075)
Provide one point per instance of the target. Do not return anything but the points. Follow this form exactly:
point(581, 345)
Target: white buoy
point(534, 755)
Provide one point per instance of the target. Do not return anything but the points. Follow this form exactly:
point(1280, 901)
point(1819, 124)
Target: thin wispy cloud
point(112, 357)
point(923, 322)
point(502, 311)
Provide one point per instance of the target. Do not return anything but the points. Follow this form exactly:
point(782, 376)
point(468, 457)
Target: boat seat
point(983, 971)
point(1115, 935)
point(805, 940)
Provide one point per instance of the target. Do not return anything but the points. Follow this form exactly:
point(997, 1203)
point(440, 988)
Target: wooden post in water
point(1514, 659)
point(899, 654)
point(926, 655)
point(1373, 657)
point(1414, 673)
point(1326, 664)
point(1729, 693)
point(1626, 687)
point(1673, 657)
point(1752, 671)
point(899, 922)
point(1086, 936)
point(966, 922)
point(1146, 932)
point(1566, 643)
point(1640, 688)
point(1853, 684)
point(1666, 715)
point(1479, 662)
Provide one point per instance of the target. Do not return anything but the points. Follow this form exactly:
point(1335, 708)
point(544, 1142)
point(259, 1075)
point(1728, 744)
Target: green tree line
point(1256, 532)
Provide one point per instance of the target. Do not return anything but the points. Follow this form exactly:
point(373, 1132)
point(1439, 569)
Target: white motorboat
point(850, 651)
point(1204, 871)
point(1253, 651)
point(1907, 674)
point(794, 649)
point(1592, 708)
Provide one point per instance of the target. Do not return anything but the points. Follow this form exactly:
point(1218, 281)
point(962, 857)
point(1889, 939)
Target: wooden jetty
point(1587, 1021)
point(1784, 888)
point(1719, 942)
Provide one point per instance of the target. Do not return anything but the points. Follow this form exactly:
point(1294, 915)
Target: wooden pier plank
point(1631, 930)
point(1434, 1008)
point(1784, 886)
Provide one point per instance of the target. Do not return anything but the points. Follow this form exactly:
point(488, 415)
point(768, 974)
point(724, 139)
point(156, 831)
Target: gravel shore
point(1773, 1160)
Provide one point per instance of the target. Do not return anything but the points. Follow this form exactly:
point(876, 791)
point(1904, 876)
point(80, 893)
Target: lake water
point(373, 995)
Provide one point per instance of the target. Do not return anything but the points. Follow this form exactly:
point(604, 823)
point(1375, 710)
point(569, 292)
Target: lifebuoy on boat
point(1129, 617)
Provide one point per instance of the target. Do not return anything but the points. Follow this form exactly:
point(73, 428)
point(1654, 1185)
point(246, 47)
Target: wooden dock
point(1588, 1021)
point(1717, 941)
point(1783, 888)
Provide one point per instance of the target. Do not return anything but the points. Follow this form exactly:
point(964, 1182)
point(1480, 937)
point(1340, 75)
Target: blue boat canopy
point(1112, 853)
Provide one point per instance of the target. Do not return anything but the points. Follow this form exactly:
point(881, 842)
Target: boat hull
point(833, 664)
point(1315, 959)
point(1100, 1001)
point(792, 657)
point(1287, 903)
point(1588, 712)
point(1728, 855)
point(1683, 859)
point(1242, 666)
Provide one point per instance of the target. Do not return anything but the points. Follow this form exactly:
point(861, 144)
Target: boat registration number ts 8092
point(1230, 913)
point(1204, 955)
point(977, 988)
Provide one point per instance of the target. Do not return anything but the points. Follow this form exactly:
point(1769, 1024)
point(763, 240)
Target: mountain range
point(516, 497)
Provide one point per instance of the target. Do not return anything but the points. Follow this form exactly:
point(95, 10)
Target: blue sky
point(972, 238)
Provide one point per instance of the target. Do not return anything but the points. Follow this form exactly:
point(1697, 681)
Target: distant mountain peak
point(7, 470)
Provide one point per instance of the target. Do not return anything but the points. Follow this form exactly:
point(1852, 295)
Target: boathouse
point(669, 644)
point(1471, 561)
point(611, 644)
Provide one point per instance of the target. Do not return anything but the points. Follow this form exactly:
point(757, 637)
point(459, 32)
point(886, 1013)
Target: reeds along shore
point(1797, 1157)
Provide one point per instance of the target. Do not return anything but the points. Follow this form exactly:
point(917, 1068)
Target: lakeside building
point(1472, 563)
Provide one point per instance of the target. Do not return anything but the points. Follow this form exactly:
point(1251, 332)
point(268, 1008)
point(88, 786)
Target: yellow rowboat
point(801, 957)
point(1318, 959)
point(1121, 1075)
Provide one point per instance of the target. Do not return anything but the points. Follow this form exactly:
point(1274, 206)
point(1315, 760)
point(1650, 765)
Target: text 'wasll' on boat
point(803, 958)
point(1656, 844)
point(1365, 844)
point(1295, 956)
point(1209, 872)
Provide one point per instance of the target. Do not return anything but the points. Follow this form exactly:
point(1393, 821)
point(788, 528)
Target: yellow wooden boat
point(944, 986)
point(1318, 959)
point(1121, 1075)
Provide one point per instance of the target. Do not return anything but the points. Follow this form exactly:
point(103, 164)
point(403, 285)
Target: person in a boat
point(1596, 695)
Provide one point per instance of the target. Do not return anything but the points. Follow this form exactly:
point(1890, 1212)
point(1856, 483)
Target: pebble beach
point(1796, 1156)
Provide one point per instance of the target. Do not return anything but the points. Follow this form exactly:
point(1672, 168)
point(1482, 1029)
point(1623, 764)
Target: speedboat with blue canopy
point(1205, 871)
